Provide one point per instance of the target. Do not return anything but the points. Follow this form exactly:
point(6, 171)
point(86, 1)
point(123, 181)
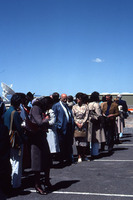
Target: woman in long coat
point(95, 131)
point(80, 113)
point(40, 153)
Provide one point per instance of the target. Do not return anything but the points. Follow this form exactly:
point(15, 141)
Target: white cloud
point(98, 60)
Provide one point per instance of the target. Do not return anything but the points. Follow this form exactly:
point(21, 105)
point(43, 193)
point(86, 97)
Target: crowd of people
point(49, 126)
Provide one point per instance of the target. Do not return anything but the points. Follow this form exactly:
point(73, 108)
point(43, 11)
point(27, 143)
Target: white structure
point(7, 90)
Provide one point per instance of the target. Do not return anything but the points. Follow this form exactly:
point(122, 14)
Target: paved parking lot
point(107, 178)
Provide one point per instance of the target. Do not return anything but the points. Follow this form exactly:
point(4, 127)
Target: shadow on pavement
point(105, 154)
point(63, 184)
point(122, 141)
point(17, 193)
point(120, 149)
point(126, 135)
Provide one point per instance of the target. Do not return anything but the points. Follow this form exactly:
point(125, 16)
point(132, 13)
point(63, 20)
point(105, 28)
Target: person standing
point(80, 113)
point(30, 98)
point(96, 134)
point(119, 122)
point(40, 153)
point(70, 101)
point(123, 105)
point(110, 112)
point(56, 97)
point(16, 153)
point(52, 137)
point(64, 126)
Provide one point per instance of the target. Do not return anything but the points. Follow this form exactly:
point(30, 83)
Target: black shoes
point(48, 186)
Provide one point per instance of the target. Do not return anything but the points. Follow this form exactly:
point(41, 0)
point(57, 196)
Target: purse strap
point(11, 122)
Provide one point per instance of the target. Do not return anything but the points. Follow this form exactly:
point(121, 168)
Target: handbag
point(29, 126)
point(94, 118)
point(13, 134)
point(80, 133)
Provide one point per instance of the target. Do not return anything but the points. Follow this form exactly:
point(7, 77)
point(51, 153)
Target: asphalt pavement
point(108, 178)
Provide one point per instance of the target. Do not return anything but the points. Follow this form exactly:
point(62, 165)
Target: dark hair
point(30, 95)
point(55, 97)
point(15, 100)
point(104, 98)
point(79, 95)
point(70, 98)
point(109, 95)
point(44, 103)
point(94, 96)
point(22, 97)
point(85, 98)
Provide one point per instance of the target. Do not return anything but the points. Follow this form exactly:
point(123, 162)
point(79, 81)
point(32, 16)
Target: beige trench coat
point(95, 131)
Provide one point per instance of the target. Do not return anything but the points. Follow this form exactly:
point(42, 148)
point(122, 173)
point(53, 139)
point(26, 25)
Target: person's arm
point(17, 123)
point(74, 114)
point(58, 116)
point(86, 115)
point(37, 116)
point(116, 112)
point(52, 117)
point(79, 125)
point(98, 109)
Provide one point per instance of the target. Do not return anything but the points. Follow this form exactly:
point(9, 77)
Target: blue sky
point(66, 46)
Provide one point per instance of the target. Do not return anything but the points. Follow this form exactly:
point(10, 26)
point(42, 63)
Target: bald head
point(63, 98)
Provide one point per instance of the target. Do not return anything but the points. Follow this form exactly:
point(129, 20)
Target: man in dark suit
point(64, 127)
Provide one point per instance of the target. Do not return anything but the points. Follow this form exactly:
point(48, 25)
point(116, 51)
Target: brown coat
point(113, 109)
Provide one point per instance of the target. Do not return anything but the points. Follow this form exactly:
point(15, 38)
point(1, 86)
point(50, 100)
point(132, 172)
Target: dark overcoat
point(40, 153)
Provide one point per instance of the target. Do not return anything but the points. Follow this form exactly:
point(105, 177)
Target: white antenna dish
point(6, 91)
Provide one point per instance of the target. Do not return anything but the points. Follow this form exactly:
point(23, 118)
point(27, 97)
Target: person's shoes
point(92, 158)
point(86, 159)
point(40, 190)
point(61, 163)
point(102, 149)
point(68, 163)
point(110, 149)
point(118, 141)
point(79, 160)
point(48, 184)
point(102, 146)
